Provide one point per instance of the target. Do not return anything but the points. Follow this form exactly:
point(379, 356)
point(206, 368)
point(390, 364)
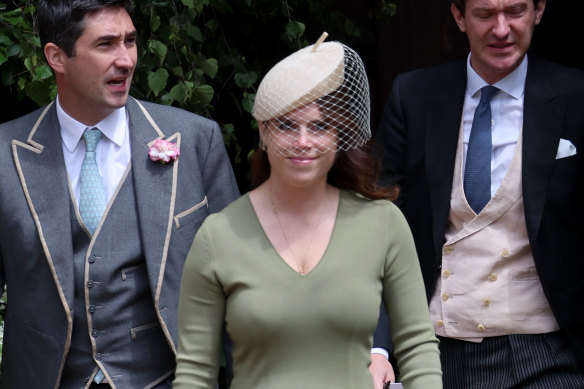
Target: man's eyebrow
point(131, 34)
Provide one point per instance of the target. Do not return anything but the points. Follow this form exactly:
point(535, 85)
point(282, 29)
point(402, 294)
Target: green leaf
point(194, 32)
point(295, 29)
point(210, 67)
point(14, 50)
point(5, 40)
point(43, 72)
point(155, 23)
point(204, 93)
point(247, 102)
point(157, 80)
point(180, 92)
point(38, 92)
point(222, 6)
point(245, 80)
point(158, 48)
point(190, 4)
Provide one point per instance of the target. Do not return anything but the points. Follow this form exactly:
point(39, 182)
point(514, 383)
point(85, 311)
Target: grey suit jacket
point(35, 226)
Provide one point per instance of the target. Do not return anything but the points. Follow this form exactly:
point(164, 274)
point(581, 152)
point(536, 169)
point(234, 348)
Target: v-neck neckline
point(275, 251)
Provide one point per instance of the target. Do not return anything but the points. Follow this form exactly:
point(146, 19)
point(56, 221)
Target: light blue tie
point(92, 199)
point(477, 172)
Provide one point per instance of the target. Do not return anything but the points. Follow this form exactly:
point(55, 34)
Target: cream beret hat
point(329, 74)
point(299, 79)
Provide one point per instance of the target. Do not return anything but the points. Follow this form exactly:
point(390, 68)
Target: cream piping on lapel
point(35, 216)
point(166, 245)
point(152, 122)
point(189, 211)
point(36, 126)
point(169, 225)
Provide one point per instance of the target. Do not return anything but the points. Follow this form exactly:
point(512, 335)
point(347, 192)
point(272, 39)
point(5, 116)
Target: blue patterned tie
point(92, 199)
point(477, 172)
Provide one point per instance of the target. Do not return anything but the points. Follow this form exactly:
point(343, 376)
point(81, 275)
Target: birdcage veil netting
point(315, 99)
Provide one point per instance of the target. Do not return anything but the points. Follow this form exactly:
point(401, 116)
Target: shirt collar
point(112, 126)
point(513, 84)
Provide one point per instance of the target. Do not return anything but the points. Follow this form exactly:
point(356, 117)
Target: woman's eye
point(319, 127)
point(286, 126)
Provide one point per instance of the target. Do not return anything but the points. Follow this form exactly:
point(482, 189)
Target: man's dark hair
point(62, 21)
point(460, 4)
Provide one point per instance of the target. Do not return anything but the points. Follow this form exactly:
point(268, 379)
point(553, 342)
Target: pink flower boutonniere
point(163, 151)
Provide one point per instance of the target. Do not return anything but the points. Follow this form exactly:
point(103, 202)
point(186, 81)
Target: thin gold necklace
point(320, 212)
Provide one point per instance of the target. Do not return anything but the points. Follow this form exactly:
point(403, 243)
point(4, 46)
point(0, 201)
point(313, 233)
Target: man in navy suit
point(505, 280)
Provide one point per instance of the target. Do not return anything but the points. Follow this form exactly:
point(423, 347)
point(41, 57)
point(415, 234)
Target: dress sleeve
point(201, 315)
point(415, 344)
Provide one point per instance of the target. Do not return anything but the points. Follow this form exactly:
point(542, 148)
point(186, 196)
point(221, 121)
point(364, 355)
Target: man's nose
point(501, 28)
point(125, 57)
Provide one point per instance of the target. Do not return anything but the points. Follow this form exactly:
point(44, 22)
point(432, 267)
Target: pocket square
point(565, 149)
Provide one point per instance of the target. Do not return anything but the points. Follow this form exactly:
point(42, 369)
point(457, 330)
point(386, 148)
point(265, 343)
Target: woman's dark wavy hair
point(356, 170)
point(62, 21)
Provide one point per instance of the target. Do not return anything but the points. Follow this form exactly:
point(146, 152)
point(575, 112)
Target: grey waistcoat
point(114, 319)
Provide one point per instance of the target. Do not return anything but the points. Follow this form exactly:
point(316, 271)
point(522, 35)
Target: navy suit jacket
point(418, 135)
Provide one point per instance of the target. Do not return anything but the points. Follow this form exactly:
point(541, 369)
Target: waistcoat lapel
point(509, 192)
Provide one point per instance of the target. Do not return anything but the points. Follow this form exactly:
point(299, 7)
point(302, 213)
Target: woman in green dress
point(297, 268)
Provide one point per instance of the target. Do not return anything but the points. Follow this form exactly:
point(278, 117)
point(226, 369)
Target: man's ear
point(540, 7)
point(458, 17)
point(55, 57)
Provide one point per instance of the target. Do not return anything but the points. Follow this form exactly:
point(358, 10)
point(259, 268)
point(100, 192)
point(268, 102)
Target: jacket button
point(447, 250)
point(91, 308)
point(98, 357)
point(486, 301)
point(505, 253)
point(91, 259)
point(94, 333)
point(446, 273)
point(445, 296)
point(481, 327)
point(439, 323)
point(90, 284)
point(493, 277)
point(86, 380)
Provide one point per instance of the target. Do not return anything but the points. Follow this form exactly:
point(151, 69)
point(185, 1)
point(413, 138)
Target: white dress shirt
point(112, 152)
point(507, 116)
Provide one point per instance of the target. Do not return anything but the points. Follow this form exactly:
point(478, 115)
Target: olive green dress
point(307, 332)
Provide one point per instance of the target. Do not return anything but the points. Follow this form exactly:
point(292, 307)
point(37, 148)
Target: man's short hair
point(62, 21)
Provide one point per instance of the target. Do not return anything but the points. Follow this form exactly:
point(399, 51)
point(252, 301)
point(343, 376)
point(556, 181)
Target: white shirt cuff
point(378, 350)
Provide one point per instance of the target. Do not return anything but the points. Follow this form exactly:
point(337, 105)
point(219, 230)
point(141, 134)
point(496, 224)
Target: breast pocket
point(192, 215)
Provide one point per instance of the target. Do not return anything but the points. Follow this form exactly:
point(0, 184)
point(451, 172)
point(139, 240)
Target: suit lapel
point(443, 112)
point(155, 186)
point(543, 116)
point(41, 167)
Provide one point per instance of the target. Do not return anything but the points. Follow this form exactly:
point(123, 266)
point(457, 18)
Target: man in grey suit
point(93, 302)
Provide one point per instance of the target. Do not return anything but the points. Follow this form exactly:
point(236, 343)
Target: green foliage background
point(206, 56)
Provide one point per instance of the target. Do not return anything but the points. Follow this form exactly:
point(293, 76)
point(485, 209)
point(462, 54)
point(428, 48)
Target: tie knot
point(91, 136)
point(487, 93)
